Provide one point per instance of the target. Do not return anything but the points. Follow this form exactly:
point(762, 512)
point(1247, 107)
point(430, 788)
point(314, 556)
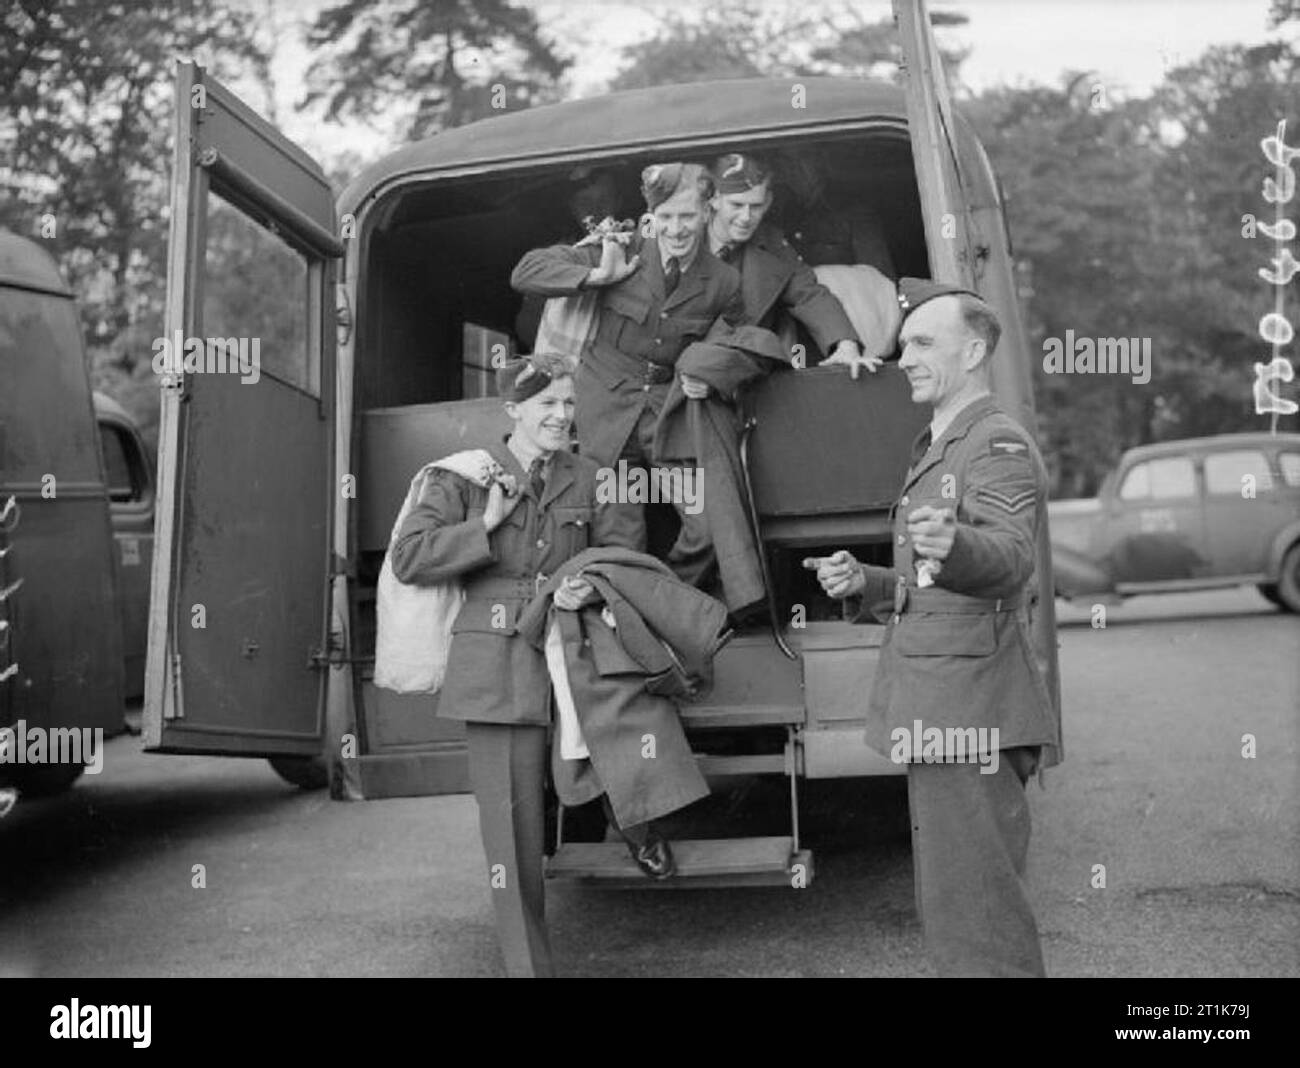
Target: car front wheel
point(1288, 581)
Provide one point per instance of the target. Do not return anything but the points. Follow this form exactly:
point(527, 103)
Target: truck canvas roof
point(616, 123)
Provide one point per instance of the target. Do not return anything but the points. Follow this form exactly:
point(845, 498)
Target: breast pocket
point(940, 635)
point(629, 305)
point(572, 526)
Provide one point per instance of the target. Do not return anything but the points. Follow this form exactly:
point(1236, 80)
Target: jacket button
point(659, 341)
point(902, 539)
point(663, 315)
point(903, 502)
point(541, 544)
point(645, 389)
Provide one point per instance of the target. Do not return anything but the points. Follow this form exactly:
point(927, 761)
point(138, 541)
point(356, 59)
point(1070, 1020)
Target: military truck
point(277, 490)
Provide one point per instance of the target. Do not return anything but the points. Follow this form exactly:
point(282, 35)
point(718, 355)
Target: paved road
point(1201, 848)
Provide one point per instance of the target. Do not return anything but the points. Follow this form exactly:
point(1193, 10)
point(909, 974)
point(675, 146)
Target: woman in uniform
point(501, 543)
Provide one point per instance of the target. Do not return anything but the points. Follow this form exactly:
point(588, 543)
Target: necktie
point(920, 447)
point(726, 252)
point(672, 275)
point(535, 479)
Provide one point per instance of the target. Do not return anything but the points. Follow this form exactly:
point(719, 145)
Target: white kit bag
point(413, 623)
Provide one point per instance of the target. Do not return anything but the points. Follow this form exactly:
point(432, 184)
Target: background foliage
point(1126, 213)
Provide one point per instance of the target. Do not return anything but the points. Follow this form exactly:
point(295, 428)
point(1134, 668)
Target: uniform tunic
point(493, 676)
point(624, 376)
point(774, 277)
point(958, 654)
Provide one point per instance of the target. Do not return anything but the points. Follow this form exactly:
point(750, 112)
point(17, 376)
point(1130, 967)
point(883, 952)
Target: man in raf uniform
point(502, 543)
point(660, 291)
point(956, 654)
point(773, 277)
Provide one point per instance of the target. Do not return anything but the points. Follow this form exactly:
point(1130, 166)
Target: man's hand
point(613, 267)
point(694, 388)
point(848, 353)
point(932, 531)
point(839, 574)
point(500, 503)
point(573, 593)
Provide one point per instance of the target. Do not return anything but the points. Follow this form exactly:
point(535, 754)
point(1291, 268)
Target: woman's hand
point(613, 266)
point(500, 503)
point(573, 593)
point(694, 388)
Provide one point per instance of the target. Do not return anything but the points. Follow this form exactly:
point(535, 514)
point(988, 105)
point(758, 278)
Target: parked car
point(1187, 515)
point(128, 474)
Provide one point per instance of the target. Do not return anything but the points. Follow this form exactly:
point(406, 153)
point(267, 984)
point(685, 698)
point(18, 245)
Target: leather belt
point(649, 372)
point(495, 587)
point(908, 598)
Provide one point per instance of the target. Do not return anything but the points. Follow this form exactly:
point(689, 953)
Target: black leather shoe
point(655, 857)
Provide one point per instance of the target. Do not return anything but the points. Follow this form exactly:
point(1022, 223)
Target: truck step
point(701, 863)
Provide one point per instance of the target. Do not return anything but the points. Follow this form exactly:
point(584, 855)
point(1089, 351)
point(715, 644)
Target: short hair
point(980, 320)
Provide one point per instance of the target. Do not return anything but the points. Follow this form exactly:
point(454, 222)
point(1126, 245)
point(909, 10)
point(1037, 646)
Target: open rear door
point(238, 604)
point(952, 239)
point(949, 235)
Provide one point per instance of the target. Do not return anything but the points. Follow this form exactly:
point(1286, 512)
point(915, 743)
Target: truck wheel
point(1269, 592)
point(46, 781)
point(1288, 579)
point(308, 772)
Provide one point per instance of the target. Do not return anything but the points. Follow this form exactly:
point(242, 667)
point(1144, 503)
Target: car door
point(237, 615)
point(1244, 509)
point(1156, 529)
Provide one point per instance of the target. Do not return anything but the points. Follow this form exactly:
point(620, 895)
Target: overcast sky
point(1130, 43)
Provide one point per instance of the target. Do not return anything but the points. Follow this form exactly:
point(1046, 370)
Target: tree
point(85, 125)
point(459, 60)
point(747, 39)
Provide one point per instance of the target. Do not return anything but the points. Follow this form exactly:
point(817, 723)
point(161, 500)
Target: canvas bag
point(413, 623)
point(568, 324)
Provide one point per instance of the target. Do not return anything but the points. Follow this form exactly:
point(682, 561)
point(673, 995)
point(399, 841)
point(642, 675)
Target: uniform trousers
point(970, 839)
point(507, 767)
point(692, 557)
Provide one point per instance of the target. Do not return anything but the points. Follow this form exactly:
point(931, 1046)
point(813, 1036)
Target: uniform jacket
point(622, 678)
point(958, 654)
point(773, 277)
point(640, 332)
point(709, 431)
point(493, 676)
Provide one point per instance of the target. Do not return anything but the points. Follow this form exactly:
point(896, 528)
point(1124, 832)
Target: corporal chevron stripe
point(1008, 502)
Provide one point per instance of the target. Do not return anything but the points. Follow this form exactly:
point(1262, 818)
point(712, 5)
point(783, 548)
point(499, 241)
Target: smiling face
point(543, 420)
point(940, 354)
point(736, 215)
point(679, 221)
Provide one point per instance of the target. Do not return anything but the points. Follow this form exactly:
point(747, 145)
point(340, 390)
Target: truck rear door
point(238, 606)
point(952, 241)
